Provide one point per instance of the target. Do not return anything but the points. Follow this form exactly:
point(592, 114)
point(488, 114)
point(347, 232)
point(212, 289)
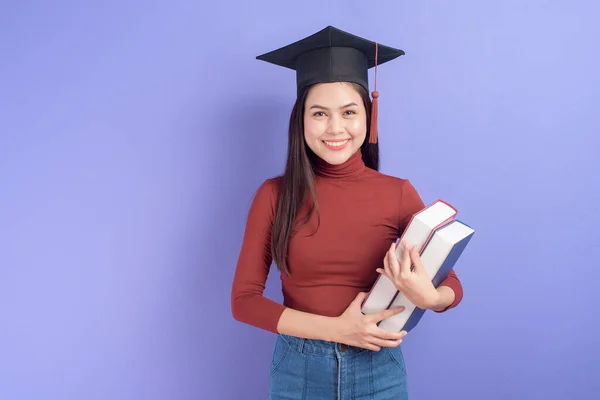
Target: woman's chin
point(335, 157)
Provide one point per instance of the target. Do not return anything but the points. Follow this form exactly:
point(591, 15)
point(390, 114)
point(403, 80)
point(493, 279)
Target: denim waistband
point(321, 347)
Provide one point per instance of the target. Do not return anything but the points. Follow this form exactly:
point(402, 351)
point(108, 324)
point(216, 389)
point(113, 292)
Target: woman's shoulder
point(398, 191)
point(268, 190)
point(263, 200)
point(271, 184)
point(390, 182)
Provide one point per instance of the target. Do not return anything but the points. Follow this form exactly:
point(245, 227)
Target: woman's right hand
point(356, 329)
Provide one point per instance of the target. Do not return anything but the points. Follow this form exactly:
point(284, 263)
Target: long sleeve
point(453, 283)
point(412, 203)
point(248, 305)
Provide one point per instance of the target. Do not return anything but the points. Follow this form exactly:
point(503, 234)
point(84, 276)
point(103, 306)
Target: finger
point(365, 343)
point(405, 264)
point(383, 272)
point(390, 312)
point(385, 342)
point(372, 347)
point(393, 260)
point(388, 270)
point(416, 259)
point(360, 297)
point(388, 335)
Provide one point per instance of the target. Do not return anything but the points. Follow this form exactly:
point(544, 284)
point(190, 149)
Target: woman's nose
point(335, 125)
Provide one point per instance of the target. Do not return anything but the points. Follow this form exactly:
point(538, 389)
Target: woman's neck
point(352, 167)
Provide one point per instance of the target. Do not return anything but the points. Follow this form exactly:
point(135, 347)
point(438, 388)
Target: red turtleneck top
point(362, 211)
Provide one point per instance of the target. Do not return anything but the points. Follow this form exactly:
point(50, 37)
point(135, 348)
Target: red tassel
point(375, 104)
point(374, 117)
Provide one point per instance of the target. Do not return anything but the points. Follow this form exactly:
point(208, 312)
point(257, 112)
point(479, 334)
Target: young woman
point(330, 224)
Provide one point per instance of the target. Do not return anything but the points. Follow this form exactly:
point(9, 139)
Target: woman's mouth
point(336, 144)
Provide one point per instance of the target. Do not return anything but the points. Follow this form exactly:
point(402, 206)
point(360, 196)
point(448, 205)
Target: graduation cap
point(332, 55)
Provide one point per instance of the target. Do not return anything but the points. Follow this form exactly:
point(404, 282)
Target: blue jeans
point(305, 369)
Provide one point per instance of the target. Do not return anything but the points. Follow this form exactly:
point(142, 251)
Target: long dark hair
point(297, 182)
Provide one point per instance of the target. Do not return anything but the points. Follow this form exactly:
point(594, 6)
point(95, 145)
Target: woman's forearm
point(445, 297)
point(306, 325)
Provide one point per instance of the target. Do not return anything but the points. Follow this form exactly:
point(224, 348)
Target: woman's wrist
point(444, 296)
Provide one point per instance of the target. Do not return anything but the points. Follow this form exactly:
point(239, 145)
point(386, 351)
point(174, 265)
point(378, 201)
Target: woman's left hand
point(416, 284)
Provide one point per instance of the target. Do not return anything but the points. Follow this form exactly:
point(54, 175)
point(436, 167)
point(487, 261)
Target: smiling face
point(335, 121)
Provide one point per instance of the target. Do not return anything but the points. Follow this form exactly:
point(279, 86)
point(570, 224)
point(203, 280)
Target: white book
point(439, 256)
point(419, 230)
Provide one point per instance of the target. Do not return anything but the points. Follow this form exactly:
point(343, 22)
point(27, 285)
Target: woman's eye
point(350, 112)
point(318, 114)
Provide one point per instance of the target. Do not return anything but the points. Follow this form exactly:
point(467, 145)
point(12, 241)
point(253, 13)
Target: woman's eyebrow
point(325, 108)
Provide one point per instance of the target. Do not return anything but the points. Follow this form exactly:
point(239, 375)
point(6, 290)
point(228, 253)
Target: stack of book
point(441, 239)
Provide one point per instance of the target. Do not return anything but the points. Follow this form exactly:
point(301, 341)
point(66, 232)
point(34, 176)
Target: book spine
point(450, 261)
point(414, 319)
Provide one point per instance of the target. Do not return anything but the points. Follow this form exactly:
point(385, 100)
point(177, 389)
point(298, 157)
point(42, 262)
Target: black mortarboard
point(332, 55)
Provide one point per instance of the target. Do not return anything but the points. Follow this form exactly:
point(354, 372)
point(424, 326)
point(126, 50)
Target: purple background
point(134, 134)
